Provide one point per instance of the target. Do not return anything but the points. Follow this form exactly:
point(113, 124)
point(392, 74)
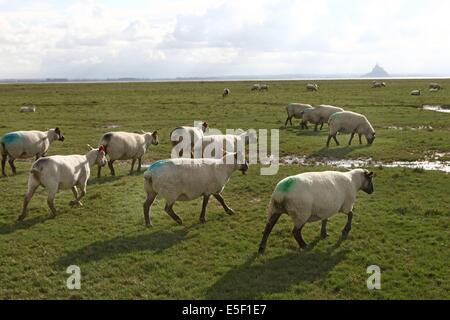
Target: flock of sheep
point(306, 197)
point(433, 87)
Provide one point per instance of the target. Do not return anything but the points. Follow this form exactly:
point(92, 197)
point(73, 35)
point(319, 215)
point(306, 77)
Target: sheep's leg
point(75, 194)
point(315, 126)
point(287, 120)
point(132, 166)
point(351, 138)
point(147, 204)
point(169, 209)
point(348, 225)
point(321, 126)
point(227, 209)
point(360, 141)
point(111, 167)
point(3, 165)
point(267, 230)
point(290, 121)
point(328, 140)
point(51, 202)
point(204, 204)
point(323, 229)
point(99, 172)
point(31, 190)
point(139, 164)
point(297, 233)
point(335, 139)
point(11, 164)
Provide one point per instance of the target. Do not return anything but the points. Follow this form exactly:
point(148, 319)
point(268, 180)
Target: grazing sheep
point(27, 109)
point(295, 110)
point(434, 90)
point(316, 196)
point(62, 172)
point(319, 115)
point(226, 92)
point(187, 179)
point(312, 87)
point(435, 85)
point(415, 93)
point(264, 87)
point(377, 84)
point(350, 122)
point(195, 135)
point(256, 86)
point(126, 146)
point(26, 144)
point(226, 143)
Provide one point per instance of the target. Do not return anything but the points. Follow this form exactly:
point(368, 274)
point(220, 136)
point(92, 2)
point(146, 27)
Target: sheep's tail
point(35, 171)
point(276, 205)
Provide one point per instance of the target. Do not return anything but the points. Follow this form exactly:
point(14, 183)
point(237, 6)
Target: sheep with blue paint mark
point(125, 146)
point(295, 110)
point(318, 115)
point(57, 173)
point(188, 139)
point(350, 122)
point(184, 179)
point(25, 145)
point(316, 196)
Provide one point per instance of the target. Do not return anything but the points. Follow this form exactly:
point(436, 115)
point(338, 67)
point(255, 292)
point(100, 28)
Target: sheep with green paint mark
point(350, 122)
point(318, 115)
point(316, 196)
point(295, 110)
point(184, 179)
point(25, 145)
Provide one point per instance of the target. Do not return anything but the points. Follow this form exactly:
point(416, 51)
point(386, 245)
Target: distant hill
point(377, 72)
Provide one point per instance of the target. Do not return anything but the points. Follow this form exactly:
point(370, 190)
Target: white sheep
point(415, 93)
point(27, 109)
point(434, 90)
point(316, 196)
point(312, 87)
point(318, 115)
point(350, 122)
point(226, 92)
point(187, 179)
point(295, 110)
point(26, 144)
point(256, 86)
point(193, 135)
point(125, 146)
point(226, 143)
point(263, 87)
point(377, 84)
point(60, 173)
point(435, 85)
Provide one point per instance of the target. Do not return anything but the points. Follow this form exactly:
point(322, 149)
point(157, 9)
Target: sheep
point(435, 85)
point(434, 90)
point(59, 173)
point(295, 110)
point(316, 196)
point(226, 92)
point(26, 144)
point(312, 87)
point(350, 122)
point(264, 87)
point(415, 93)
point(187, 179)
point(256, 86)
point(226, 142)
point(377, 84)
point(27, 109)
point(193, 134)
point(125, 146)
point(319, 115)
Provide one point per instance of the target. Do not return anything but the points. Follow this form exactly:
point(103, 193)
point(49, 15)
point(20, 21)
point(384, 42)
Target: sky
point(201, 38)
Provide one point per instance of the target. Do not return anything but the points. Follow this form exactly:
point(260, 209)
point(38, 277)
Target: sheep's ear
point(155, 133)
point(90, 147)
point(205, 124)
point(142, 131)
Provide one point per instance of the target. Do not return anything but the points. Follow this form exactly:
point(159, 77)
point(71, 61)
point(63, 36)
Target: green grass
point(403, 227)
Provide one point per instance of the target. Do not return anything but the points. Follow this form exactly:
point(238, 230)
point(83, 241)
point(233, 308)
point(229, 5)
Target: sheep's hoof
point(179, 221)
point(324, 235)
point(202, 221)
point(149, 225)
point(230, 211)
point(21, 217)
point(261, 251)
point(76, 203)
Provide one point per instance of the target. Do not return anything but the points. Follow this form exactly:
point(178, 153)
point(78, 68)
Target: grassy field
point(403, 227)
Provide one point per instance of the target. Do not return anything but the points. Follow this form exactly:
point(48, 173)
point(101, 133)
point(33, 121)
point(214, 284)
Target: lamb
point(27, 109)
point(62, 172)
point(312, 87)
point(316, 196)
point(415, 93)
point(26, 144)
point(194, 135)
point(187, 179)
point(435, 85)
point(319, 115)
point(377, 84)
point(226, 92)
point(126, 146)
point(226, 142)
point(295, 110)
point(350, 122)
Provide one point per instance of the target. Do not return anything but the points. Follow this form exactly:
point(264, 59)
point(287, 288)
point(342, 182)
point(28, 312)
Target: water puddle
point(438, 108)
point(436, 165)
point(429, 128)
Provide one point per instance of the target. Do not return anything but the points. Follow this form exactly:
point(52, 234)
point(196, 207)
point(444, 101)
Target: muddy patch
point(435, 165)
point(438, 108)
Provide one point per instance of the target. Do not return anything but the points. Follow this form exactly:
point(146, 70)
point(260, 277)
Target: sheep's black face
point(59, 134)
point(368, 183)
point(371, 139)
point(243, 167)
point(155, 138)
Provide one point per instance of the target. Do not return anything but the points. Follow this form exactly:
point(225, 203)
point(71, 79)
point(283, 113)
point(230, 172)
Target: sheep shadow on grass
point(337, 152)
point(155, 241)
point(254, 279)
point(25, 224)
